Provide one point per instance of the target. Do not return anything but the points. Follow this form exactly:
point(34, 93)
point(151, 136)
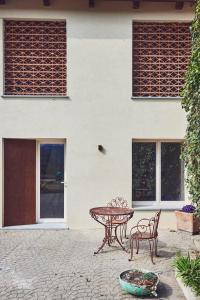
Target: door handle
point(65, 183)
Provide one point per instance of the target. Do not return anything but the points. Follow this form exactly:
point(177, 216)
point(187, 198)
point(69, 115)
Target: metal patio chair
point(120, 202)
point(146, 230)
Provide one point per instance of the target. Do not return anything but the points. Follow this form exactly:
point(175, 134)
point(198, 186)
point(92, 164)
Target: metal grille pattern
point(160, 57)
point(35, 58)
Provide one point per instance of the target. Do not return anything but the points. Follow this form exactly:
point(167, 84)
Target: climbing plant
point(191, 104)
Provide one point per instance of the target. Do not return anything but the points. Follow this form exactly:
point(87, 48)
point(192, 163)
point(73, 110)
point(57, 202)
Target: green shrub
point(188, 270)
point(191, 104)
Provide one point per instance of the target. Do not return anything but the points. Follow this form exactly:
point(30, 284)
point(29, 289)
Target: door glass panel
point(144, 171)
point(52, 181)
point(172, 172)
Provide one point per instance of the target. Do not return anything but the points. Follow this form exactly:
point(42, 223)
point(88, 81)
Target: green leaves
point(189, 271)
point(191, 104)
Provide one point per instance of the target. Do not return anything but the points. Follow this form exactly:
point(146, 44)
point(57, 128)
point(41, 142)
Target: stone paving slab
point(196, 240)
point(59, 264)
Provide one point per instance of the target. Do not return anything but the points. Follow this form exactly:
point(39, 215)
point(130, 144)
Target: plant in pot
point(191, 104)
point(188, 220)
point(188, 275)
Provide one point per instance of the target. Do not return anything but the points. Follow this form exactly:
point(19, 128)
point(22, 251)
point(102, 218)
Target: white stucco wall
point(99, 109)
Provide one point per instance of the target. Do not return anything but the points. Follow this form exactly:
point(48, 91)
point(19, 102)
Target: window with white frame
point(157, 173)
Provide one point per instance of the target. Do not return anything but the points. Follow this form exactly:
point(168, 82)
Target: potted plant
point(191, 147)
point(188, 275)
point(188, 219)
point(139, 282)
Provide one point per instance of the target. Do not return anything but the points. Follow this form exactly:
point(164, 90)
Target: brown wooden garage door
point(19, 182)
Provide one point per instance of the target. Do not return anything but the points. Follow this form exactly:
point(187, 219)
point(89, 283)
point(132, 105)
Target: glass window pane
point(144, 171)
point(172, 172)
point(52, 181)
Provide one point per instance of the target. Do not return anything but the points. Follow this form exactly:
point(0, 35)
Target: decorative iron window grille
point(35, 58)
point(160, 57)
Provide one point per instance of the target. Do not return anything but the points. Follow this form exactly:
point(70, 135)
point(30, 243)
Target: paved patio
point(59, 264)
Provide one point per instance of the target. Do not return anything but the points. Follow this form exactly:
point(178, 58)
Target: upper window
point(158, 172)
point(160, 57)
point(35, 58)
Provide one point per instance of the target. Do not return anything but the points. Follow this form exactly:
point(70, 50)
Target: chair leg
point(125, 230)
point(121, 233)
point(137, 245)
point(131, 246)
point(151, 247)
point(107, 232)
point(156, 247)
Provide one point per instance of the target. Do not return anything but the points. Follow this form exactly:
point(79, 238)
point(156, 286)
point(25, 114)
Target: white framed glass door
point(51, 170)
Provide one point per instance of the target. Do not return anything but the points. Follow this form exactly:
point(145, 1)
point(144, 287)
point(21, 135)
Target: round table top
point(111, 211)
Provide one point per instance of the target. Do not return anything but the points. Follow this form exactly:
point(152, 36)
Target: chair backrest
point(118, 202)
point(154, 222)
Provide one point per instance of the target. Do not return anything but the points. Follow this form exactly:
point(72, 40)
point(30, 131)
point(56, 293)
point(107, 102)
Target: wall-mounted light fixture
point(101, 149)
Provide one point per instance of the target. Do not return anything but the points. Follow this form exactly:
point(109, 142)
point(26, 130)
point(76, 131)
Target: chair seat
point(142, 235)
point(117, 222)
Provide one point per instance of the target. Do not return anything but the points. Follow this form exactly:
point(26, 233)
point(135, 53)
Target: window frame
point(158, 203)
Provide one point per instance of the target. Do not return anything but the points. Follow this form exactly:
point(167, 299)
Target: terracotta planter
point(187, 222)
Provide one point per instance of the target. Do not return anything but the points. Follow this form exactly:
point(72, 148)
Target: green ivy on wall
point(191, 104)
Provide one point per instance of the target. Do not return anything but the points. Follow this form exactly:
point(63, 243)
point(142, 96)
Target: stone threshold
point(47, 226)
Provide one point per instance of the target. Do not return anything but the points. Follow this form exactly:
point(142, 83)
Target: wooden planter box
point(187, 222)
point(187, 291)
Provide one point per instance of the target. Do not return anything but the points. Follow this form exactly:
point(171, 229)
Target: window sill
point(39, 97)
point(156, 98)
point(157, 207)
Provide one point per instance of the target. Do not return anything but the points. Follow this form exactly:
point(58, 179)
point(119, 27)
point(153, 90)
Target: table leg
point(105, 240)
point(116, 238)
point(101, 247)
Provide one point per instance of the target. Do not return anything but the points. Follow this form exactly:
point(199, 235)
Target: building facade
point(90, 108)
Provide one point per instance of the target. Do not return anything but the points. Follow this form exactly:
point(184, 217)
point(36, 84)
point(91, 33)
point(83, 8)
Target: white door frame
point(48, 220)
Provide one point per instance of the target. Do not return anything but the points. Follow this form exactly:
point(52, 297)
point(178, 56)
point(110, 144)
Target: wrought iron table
point(111, 218)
